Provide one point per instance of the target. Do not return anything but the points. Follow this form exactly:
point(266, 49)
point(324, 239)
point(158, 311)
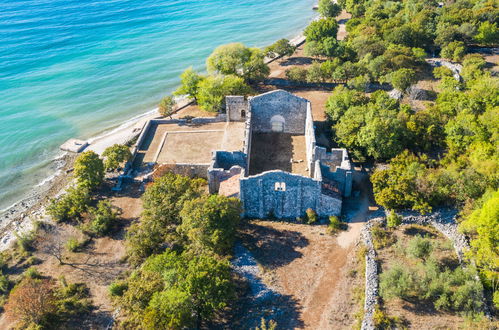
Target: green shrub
point(334, 225)
point(72, 299)
point(166, 106)
point(32, 272)
point(382, 238)
point(393, 219)
point(73, 244)
point(4, 283)
point(398, 281)
point(311, 216)
point(24, 243)
point(117, 288)
point(71, 205)
point(419, 247)
point(115, 156)
point(102, 219)
point(297, 74)
point(383, 321)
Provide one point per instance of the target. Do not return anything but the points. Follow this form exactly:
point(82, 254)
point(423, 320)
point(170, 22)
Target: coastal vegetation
point(180, 247)
point(115, 156)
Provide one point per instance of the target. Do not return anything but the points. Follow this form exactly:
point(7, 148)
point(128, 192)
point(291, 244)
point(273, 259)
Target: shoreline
point(20, 216)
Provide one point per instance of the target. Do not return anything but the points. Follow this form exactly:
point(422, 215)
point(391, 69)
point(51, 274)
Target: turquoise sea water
point(73, 68)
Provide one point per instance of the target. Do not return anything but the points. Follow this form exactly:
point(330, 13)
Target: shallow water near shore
point(75, 68)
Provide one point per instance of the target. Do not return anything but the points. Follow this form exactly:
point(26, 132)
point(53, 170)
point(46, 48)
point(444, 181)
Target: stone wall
point(218, 175)
point(336, 166)
point(236, 108)
point(310, 140)
point(224, 165)
point(284, 195)
point(291, 108)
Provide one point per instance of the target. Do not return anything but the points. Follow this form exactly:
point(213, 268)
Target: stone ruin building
point(280, 171)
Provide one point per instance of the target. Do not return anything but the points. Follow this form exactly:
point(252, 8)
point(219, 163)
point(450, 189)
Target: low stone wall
point(371, 276)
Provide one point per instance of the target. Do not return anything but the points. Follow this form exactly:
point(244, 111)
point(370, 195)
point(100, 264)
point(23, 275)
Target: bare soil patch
point(278, 151)
point(308, 269)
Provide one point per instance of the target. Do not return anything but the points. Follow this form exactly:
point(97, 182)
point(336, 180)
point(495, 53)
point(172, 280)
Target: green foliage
point(321, 29)
point(454, 51)
point(72, 301)
point(264, 325)
point(166, 106)
point(382, 238)
point(341, 100)
point(32, 273)
point(162, 202)
point(311, 216)
point(176, 290)
point(70, 205)
point(393, 219)
point(73, 244)
point(115, 156)
point(334, 225)
point(442, 72)
point(89, 169)
point(213, 89)
point(24, 243)
point(189, 82)
point(419, 247)
point(328, 8)
point(297, 74)
point(396, 187)
point(117, 288)
point(280, 48)
point(488, 33)
point(483, 227)
point(402, 79)
point(210, 223)
point(239, 60)
point(383, 321)
point(102, 219)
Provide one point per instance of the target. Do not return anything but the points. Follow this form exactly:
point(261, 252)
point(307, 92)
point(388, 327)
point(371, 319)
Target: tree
point(402, 79)
point(172, 291)
point(483, 227)
point(321, 29)
point(189, 81)
point(397, 186)
point(162, 202)
point(237, 59)
point(393, 219)
point(116, 155)
point(280, 48)
point(488, 33)
point(297, 74)
point(210, 223)
point(89, 169)
point(166, 106)
point(341, 100)
point(328, 8)
point(454, 51)
point(70, 205)
point(213, 89)
point(31, 302)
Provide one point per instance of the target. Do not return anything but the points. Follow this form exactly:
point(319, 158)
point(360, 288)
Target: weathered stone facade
point(279, 193)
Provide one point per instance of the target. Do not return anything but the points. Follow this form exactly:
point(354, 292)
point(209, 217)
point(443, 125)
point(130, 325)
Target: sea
point(77, 68)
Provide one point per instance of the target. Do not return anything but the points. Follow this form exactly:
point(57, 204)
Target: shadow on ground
point(272, 248)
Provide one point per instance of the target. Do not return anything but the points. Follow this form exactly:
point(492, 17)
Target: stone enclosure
point(263, 150)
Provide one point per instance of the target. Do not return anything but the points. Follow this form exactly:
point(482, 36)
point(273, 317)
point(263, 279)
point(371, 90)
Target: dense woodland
point(443, 154)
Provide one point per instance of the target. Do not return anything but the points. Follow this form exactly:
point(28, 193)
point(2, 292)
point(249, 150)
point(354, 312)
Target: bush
point(311, 216)
point(117, 288)
point(116, 155)
point(382, 238)
point(402, 79)
point(32, 273)
point(419, 247)
point(454, 51)
point(166, 106)
point(71, 205)
point(398, 281)
point(393, 219)
point(297, 74)
point(328, 8)
point(442, 71)
point(24, 243)
point(4, 283)
point(102, 219)
point(74, 245)
point(334, 225)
